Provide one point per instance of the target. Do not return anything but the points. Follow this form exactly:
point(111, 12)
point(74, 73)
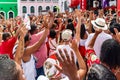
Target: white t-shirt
point(99, 41)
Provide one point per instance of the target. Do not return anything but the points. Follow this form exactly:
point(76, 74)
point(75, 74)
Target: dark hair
point(114, 25)
point(70, 20)
point(71, 27)
point(52, 33)
point(5, 35)
point(100, 72)
point(33, 28)
point(110, 53)
point(56, 21)
point(96, 12)
point(8, 70)
point(83, 31)
point(26, 38)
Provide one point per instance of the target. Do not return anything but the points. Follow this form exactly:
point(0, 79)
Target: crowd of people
point(78, 45)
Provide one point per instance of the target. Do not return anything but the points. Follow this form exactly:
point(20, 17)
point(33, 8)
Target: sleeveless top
point(29, 69)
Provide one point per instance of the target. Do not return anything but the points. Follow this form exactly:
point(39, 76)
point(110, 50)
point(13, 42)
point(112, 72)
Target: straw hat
point(99, 23)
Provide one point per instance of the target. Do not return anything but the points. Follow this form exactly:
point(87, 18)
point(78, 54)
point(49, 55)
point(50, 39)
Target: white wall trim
point(8, 2)
point(9, 12)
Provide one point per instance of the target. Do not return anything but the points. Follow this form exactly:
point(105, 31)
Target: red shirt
point(92, 58)
point(6, 47)
point(82, 51)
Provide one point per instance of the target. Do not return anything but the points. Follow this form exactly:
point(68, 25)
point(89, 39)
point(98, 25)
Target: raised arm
point(92, 41)
point(78, 27)
point(82, 71)
point(31, 49)
point(66, 60)
point(20, 49)
point(1, 32)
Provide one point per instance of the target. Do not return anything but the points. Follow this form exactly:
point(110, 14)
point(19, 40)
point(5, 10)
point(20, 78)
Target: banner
point(73, 3)
point(83, 4)
point(118, 4)
point(27, 22)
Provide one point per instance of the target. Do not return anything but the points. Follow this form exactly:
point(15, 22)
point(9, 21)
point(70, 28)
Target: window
point(39, 8)
point(54, 9)
point(24, 9)
point(65, 6)
point(3, 14)
point(47, 8)
point(40, 0)
point(32, 0)
point(32, 9)
point(10, 15)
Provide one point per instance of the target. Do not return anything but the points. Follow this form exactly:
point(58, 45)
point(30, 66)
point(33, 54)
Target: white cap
point(66, 35)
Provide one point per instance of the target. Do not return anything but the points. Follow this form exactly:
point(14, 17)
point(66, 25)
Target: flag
point(27, 21)
point(118, 4)
point(73, 3)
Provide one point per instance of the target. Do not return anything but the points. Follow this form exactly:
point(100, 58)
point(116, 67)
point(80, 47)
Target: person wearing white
point(99, 23)
point(29, 69)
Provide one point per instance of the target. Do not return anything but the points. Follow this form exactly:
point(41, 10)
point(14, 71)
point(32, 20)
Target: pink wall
point(36, 4)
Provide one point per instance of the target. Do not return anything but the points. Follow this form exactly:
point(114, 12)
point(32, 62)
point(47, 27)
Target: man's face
point(21, 74)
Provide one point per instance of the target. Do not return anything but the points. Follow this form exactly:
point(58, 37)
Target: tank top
point(29, 69)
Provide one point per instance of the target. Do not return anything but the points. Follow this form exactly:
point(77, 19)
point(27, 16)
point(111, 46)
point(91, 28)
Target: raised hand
point(78, 13)
point(68, 65)
point(97, 30)
point(1, 28)
point(51, 14)
point(23, 31)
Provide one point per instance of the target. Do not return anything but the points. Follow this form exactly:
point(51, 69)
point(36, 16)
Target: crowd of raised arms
point(78, 45)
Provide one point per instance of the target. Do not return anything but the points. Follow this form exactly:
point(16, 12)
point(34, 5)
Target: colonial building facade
point(36, 7)
point(8, 8)
point(13, 8)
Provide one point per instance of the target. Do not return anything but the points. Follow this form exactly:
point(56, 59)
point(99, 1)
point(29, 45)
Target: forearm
point(74, 77)
point(82, 71)
point(19, 51)
point(51, 21)
point(78, 29)
point(92, 41)
point(80, 60)
point(17, 32)
point(0, 36)
point(31, 49)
